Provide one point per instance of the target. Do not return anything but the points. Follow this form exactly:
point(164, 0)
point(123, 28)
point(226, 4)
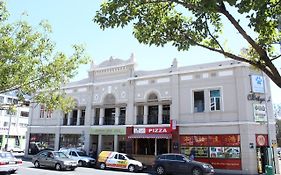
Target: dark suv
point(179, 163)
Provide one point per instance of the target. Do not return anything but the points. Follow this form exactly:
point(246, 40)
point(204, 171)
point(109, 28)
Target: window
point(5, 123)
point(24, 114)
point(49, 114)
point(170, 157)
point(42, 111)
point(199, 104)
point(10, 101)
point(215, 98)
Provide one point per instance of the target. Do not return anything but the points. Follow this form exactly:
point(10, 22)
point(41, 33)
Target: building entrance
point(262, 157)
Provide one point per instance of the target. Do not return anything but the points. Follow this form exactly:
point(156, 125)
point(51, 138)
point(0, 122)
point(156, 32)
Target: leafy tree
point(29, 64)
point(185, 23)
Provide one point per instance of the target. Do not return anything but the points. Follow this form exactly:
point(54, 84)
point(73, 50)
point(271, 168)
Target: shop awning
point(150, 136)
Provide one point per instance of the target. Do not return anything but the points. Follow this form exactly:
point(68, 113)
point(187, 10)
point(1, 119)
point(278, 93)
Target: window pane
point(199, 101)
point(218, 104)
point(215, 93)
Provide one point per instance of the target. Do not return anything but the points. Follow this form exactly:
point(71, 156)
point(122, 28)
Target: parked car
point(80, 156)
point(9, 163)
point(15, 148)
point(54, 159)
point(109, 159)
point(179, 163)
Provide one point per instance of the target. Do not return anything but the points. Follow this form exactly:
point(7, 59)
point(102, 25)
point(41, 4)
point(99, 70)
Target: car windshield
point(60, 155)
point(6, 155)
point(130, 157)
point(81, 153)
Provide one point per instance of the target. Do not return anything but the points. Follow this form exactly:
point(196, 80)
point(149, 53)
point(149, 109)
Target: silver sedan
point(54, 159)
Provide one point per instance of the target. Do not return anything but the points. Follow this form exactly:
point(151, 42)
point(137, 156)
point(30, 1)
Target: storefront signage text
point(110, 131)
point(156, 130)
point(255, 97)
point(260, 112)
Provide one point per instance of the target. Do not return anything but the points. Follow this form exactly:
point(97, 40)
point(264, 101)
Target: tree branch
point(275, 57)
point(206, 23)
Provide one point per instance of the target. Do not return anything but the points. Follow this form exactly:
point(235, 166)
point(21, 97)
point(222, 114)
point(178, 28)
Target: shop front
point(147, 142)
point(38, 142)
point(221, 151)
point(263, 152)
point(108, 139)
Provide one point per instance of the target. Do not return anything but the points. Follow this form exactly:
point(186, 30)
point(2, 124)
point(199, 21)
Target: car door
point(182, 164)
point(42, 158)
point(122, 161)
point(112, 161)
point(73, 155)
point(50, 161)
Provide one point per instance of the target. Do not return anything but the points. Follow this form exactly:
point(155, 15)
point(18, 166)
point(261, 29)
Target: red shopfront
point(152, 140)
point(222, 151)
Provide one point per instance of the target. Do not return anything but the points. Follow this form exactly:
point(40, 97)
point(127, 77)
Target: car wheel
point(197, 171)
point(58, 167)
point(132, 168)
point(37, 164)
point(160, 170)
point(13, 172)
point(80, 163)
point(102, 166)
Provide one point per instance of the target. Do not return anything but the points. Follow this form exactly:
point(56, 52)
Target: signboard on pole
point(257, 83)
point(260, 112)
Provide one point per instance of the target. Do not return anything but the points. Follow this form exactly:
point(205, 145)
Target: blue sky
point(71, 21)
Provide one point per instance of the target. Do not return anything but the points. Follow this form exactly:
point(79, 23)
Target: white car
point(16, 149)
point(9, 163)
point(80, 156)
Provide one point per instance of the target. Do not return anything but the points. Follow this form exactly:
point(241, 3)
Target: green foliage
point(30, 65)
point(189, 23)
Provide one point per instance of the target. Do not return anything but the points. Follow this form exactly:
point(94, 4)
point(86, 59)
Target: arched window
point(152, 97)
point(109, 99)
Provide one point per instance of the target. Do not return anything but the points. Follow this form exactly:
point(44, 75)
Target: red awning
point(150, 136)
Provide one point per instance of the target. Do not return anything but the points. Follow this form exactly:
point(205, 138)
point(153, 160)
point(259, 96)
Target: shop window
point(215, 98)
point(199, 103)
point(39, 142)
point(200, 152)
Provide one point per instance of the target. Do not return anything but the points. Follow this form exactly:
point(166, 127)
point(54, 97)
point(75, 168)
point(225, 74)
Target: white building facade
point(13, 127)
point(222, 110)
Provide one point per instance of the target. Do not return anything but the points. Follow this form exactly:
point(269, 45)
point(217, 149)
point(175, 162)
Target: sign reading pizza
point(152, 130)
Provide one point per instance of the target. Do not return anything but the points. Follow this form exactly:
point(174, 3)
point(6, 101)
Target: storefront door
point(262, 157)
